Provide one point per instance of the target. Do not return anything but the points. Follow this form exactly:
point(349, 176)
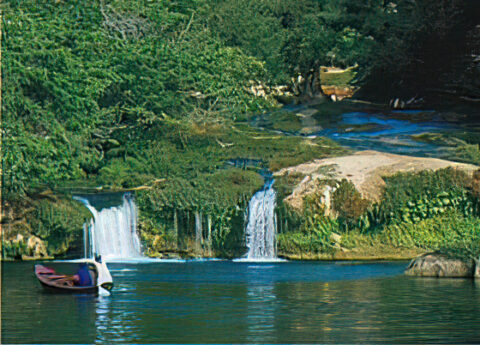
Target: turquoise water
point(383, 130)
point(240, 302)
point(390, 133)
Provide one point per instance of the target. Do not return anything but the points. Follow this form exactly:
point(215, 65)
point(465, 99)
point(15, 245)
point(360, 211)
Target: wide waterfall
point(261, 225)
point(113, 230)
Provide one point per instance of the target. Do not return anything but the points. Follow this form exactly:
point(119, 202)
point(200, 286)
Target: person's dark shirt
point(84, 277)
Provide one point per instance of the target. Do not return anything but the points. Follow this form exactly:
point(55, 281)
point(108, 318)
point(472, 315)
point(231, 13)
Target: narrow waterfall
point(113, 230)
point(261, 225)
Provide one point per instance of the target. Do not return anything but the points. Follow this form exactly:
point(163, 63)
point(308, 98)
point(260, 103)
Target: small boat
point(97, 272)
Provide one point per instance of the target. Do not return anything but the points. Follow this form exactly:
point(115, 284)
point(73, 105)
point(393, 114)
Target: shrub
point(451, 234)
point(349, 204)
point(412, 197)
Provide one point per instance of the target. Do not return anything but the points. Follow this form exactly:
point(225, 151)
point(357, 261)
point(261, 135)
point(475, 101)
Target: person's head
point(98, 258)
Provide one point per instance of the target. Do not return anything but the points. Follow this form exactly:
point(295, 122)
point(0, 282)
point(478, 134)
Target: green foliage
point(451, 234)
point(282, 120)
point(430, 210)
point(129, 93)
point(412, 197)
point(13, 249)
point(423, 208)
point(60, 223)
point(302, 243)
point(80, 83)
point(295, 36)
point(316, 229)
point(465, 153)
point(349, 205)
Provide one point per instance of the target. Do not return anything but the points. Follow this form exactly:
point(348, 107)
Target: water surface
point(235, 302)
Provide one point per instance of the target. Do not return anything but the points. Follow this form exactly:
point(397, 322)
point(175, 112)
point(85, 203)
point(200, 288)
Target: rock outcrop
point(365, 169)
point(438, 265)
point(36, 248)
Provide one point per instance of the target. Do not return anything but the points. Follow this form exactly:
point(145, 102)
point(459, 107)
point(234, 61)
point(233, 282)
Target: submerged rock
point(438, 265)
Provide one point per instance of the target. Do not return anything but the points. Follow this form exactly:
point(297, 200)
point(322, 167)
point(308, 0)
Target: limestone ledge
point(365, 169)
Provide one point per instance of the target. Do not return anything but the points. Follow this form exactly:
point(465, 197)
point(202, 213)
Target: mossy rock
point(337, 76)
point(440, 266)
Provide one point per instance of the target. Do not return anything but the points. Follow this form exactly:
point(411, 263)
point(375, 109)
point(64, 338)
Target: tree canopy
point(92, 87)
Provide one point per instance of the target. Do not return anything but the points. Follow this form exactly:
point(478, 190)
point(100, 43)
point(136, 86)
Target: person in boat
point(83, 276)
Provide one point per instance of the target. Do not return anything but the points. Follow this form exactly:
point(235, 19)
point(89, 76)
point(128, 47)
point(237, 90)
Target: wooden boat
point(54, 281)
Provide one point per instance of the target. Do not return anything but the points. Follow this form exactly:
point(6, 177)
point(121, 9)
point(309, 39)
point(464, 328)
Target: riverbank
point(377, 253)
point(213, 190)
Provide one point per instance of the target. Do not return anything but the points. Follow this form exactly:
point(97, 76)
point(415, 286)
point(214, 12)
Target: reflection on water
point(261, 310)
point(225, 302)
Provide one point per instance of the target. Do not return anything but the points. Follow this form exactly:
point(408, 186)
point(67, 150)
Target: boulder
point(477, 269)
point(36, 248)
point(440, 266)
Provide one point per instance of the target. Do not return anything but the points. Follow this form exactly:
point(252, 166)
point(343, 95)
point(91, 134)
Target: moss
point(465, 153)
point(281, 120)
point(337, 77)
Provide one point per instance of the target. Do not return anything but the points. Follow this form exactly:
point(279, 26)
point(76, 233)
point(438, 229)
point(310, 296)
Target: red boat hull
point(52, 281)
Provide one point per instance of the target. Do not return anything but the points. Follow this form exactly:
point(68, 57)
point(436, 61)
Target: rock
point(310, 130)
point(441, 266)
point(338, 93)
point(477, 269)
point(365, 169)
point(36, 247)
point(18, 239)
point(336, 238)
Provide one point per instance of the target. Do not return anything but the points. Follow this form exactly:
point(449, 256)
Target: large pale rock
point(477, 269)
point(36, 247)
point(18, 238)
point(437, 265)
point(365, 169)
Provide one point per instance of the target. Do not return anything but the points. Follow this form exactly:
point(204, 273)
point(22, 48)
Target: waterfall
point(113, 230)
point(261, 226)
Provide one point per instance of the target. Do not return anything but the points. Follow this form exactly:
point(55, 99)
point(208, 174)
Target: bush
point(60, 223)
point(412, 197)
point(349, 204)
point(301, 243)
point(451, 234)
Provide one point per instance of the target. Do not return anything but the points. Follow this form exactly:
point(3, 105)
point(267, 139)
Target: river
point(239, 302)
point(424, 133)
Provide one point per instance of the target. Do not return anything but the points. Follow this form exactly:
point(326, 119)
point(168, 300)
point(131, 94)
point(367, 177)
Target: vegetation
point(429, 211)
point(56, 220)
point(119, 94)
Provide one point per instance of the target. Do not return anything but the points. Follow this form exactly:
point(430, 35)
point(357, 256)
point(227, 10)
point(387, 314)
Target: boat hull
point(57, 283)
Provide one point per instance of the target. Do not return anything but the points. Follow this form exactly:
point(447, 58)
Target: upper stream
point(407, 132)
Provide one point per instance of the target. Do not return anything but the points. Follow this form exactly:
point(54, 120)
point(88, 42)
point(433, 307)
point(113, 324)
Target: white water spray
point(261, 226)
point(113, 232)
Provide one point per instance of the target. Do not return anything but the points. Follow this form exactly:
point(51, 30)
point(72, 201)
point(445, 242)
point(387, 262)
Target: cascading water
point(261, 226)
point(113, 232)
